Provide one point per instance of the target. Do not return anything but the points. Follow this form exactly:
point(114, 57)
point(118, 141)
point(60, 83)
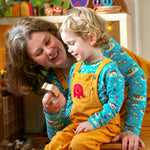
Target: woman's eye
point(39, 53)
point(47, 42)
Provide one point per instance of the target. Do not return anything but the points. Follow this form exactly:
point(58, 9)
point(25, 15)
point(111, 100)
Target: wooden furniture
point(115, 146)
point(121, 25)
point(11, 115)
point(118, 146)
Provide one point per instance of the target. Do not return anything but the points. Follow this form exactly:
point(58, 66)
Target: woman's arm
point(136, 88)
point(54, 111)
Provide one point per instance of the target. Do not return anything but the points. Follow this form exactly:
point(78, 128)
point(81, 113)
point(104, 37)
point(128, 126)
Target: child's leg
point(92, 140)
point(61, 140)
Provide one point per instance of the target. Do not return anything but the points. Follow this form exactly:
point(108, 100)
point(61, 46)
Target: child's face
point(77, 47)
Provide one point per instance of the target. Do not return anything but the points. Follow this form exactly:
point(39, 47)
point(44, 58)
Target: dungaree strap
point(101, 66)
point(105, 61)
point(61, 78)
point(77, 66)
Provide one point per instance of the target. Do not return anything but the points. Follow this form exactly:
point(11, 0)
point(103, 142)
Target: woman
point(30, 65)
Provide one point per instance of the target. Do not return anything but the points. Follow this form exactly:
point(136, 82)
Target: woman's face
point(46, 50)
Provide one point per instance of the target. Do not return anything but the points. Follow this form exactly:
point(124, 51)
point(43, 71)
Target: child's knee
point(78, 143)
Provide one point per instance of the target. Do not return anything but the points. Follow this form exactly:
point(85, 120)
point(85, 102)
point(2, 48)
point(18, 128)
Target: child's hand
point(83, 127)
point(52, 103)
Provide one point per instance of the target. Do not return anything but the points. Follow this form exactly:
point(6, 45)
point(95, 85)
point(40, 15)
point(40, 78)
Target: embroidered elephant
point(78, 91)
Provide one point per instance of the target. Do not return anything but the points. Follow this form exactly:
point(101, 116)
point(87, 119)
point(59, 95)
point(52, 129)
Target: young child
point(96, 85)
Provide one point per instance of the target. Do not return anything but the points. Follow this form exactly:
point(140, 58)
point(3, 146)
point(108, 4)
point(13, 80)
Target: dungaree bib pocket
point(82, 87)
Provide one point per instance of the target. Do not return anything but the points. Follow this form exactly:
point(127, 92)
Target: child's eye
point(71, 43)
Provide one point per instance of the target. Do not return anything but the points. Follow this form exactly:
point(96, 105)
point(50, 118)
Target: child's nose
point(70, 50)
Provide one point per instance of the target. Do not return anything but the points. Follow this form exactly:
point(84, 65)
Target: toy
point(50, 87)
point(37, 3)
point(97, 3)
point(107, 2)
point(49, 11)
point(57, 10)
point(24, 7)
point(16, 9)
point(79, 3)
point(64, 4)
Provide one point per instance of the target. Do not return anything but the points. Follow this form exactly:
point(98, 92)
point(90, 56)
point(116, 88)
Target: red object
point(49, 11)
point(57, 10)
point(78, 91)
point(3, 83)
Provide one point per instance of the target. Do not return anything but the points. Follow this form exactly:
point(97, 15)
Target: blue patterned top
point(110, 89)
point(135, 81)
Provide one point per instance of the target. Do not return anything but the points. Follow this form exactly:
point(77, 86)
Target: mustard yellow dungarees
point(83, 107)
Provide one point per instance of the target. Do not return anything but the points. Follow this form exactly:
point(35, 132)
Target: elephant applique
point(78, 91)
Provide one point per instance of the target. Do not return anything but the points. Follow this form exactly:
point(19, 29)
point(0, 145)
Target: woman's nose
point(48, 51)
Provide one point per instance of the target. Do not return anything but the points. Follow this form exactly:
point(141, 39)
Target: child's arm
point(111, 94)
point(112, 100)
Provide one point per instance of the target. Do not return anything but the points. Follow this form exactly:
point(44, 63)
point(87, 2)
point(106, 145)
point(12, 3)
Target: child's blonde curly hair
point(83, 21)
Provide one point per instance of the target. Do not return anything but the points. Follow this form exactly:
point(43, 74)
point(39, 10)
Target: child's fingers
point(80, 128)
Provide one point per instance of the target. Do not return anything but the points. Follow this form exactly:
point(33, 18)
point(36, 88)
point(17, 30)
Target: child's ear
point(92, 38)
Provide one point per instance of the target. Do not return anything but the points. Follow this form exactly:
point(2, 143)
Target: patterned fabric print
point(135, 83)
point(58, 121)
point(110, 91)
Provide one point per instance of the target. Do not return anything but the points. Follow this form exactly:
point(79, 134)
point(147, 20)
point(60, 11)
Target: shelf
point(59, 19)
point(124, 20)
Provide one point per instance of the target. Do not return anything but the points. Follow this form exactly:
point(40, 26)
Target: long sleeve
point(69, 100)
point(111, 94)
point(56, 122)
point(110, 89)
point(135, 83)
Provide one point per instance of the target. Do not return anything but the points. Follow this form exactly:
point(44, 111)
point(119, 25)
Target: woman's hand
point(53, 104)
point(129, 140)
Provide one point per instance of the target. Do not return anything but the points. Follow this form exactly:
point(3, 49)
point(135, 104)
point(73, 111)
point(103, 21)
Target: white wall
point(140, 12)
point(145, 28)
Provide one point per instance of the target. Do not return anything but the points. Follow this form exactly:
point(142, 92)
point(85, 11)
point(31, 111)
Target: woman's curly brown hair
point(23, 74)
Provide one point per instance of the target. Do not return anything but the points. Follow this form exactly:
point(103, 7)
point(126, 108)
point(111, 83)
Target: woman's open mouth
point(54, 56)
